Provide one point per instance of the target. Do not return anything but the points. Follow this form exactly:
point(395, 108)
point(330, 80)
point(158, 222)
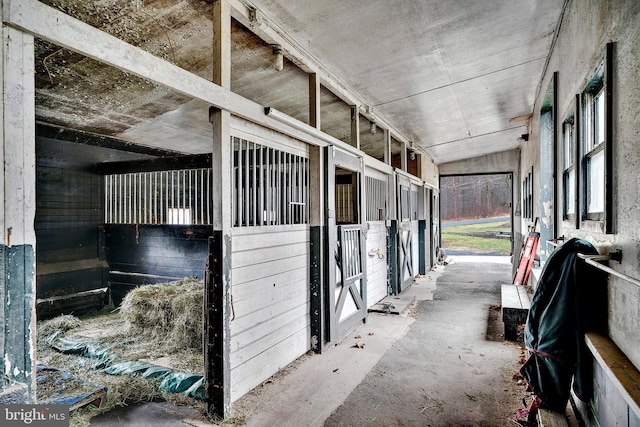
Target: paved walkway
point(442, 362)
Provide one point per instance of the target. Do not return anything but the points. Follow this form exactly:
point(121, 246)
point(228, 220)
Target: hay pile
point(171, 313)
point(58, 325)
point(162, 321)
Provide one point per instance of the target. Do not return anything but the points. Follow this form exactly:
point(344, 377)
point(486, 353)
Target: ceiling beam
point(254, 19)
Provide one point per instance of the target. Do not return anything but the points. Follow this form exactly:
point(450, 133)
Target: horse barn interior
point(288, 155)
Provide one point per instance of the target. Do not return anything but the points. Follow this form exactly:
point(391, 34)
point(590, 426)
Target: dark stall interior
point(95, 243)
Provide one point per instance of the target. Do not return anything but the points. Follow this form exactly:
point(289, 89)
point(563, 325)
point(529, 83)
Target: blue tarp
point(60, 380)
point(170, 380)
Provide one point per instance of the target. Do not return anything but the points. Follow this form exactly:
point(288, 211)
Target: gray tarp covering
point(571, 297)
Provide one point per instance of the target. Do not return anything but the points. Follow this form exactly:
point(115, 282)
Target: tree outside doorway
point(475, 212)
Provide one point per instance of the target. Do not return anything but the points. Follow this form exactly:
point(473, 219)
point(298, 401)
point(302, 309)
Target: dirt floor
point(452, 367)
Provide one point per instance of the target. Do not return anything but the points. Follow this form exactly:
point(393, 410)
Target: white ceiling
point(448, 75)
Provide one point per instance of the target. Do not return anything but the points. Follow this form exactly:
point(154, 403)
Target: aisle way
point(441, 363)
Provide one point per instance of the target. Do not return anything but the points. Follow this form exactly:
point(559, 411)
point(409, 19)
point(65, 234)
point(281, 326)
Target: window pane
point(570, 192)
point(595, 190)
point(569, 150)
point(599, 118)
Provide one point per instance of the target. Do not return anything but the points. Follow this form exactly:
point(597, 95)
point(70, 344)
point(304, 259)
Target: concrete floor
point(441, 362)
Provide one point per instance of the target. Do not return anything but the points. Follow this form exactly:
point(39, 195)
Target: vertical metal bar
point(261, 210)
point(132, 183)
point(107, 180)
point(307, 187)
point(124, 199)
point(183, 187)
point(147, 199)
point(208, 195)
point(167, 197)
point(162, 189)
point(143, 197)
point(267, 188)
point(234, 186)
point(254, 198)
point(105, 184)
point(127, 200)
point(280, 187)
point(194, 190)
point(238, 200)
point(289, 184)
point(154, 198)
point(170, 218)
point(140, 198)
point(189, 189)
point(245, 166)
point(134, 201)
point(118, 198)
point(109, 191)
point(200, 196)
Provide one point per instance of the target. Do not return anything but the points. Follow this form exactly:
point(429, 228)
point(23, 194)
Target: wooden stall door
point(405, 235)
point(346, 285)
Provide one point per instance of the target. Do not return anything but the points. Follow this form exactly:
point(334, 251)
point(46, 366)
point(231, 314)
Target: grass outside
point(468, 237)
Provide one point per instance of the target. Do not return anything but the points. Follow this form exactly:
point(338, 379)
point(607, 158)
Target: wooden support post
point(317, 170)
point(218, 286)
point(355, 126)
point(403, 158)
point(387, 147)
point(18, 190)
point(314, 100)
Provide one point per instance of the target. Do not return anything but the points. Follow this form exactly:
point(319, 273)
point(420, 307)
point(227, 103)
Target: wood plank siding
point(376, 262)
point(270, 324)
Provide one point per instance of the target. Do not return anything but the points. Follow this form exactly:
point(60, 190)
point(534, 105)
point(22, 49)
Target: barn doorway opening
point(476, 214)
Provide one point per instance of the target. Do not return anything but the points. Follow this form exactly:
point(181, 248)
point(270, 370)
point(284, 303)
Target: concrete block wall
point(587, 27)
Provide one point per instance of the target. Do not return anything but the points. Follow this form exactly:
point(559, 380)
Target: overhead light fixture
point(412, 155)
point(278, 58)
point(255, 16)
point(374, 128)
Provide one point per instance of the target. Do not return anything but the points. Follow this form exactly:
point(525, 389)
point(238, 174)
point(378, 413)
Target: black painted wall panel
point(170, 251)
point(69, 211)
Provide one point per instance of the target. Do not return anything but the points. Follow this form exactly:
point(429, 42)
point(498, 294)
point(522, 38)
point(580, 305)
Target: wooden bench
point(515, 308)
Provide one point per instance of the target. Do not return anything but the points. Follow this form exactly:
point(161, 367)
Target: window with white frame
point(598, 146)
point(594, 150)
point(569, 168)
point(527, 196)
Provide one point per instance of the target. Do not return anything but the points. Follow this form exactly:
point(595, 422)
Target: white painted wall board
point(255, 371)
point(376, 267)
point(255, 341)
point(272, 323)
point(250, 316)
point(257, 288)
